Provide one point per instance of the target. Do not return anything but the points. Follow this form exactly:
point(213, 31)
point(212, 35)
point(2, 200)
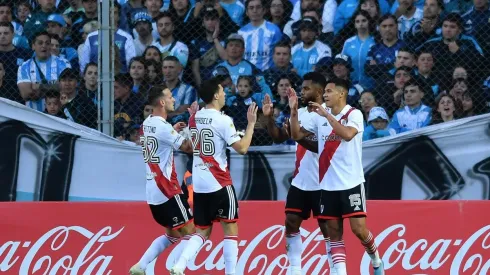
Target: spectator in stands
point(367, 101)
point(138, 71)
point(152, 52)
point(260, 35)
point(477, 24)
point(407, 14)
point(342, 68)
point(67, 53)
point(235, 9)
point(43, 69)
point(128, 106)
point(358, 46)
point(37, 21)
point(222, 74)
point(89, 83)
point(396, 5)
point(167, 44)
point(427, 27)
point(348, 7)
point(459, 87)
point(90, 8)
point(128, 13)
point(123, 41)
point(327, 10)
point(22, 11)
point(279, 12)
point(75, 10)
point(142, 26)
point(147, 111)
point(282, 66)
point(207, 51)
point(154, 72)
point(56, 25)
point(453, 49)
point(12, 57)
point(445, 108)
point(414, 114)
point(391, 95)
point(239, 103)
point(182, 12)
point(382, 55)
point(88, 28)
point(78, 107)
point(460, 72)
point(425, 65)
point(307, 53)
point(291, 29)
point(378, 126)
point(281, 92)
point(472, 105)
point(6, 15)
point(53, 103)
point(183, 93)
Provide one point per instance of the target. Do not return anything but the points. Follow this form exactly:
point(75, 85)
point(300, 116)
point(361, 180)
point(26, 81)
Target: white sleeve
point(229, 132)
point(129, 49)
point(296, 14)
point(311, 124)
point(356, 120)
point(84, 59)
point(328, 16)
point(166, 133)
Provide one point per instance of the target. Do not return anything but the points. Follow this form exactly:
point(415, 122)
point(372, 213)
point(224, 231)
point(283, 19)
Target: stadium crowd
point(411, 63)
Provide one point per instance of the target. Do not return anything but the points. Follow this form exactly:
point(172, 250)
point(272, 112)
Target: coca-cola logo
point(89, 260)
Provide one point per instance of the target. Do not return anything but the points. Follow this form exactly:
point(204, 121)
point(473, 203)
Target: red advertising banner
point(419, 237)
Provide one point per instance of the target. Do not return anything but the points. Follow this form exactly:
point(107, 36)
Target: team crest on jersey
point(343, 121)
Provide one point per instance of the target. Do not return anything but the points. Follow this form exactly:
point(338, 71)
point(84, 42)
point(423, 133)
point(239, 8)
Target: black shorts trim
point(303, 203)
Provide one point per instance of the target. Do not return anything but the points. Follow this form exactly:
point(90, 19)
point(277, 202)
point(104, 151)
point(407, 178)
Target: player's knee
point(358, 230)
point(322, 224)
point(187, 230)
point(292, 223)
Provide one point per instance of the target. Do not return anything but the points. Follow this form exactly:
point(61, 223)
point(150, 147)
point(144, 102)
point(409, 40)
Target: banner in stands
point(47, 158)
point(105, 238)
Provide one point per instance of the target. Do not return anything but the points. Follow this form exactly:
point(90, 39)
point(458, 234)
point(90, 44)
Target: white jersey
point(305, 176)
point(159, 141)
point(211, 132)
point(340, 161)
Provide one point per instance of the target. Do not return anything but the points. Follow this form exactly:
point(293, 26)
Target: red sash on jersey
point(168, 187)
point(331, 145)
point(300, 153)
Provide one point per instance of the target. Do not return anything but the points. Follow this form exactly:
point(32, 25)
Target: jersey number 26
point(202, 142)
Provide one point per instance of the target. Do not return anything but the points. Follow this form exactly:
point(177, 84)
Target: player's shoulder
point(355, 113)
point(156, 121)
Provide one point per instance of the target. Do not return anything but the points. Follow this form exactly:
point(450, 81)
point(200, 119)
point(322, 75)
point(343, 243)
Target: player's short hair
point(339, 82)
point(164, 14)
point(7, 25)
point(316, 78)
point(155, 93)
point(124, 80)
point(208, 89)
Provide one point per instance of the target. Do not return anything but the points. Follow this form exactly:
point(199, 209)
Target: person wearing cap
point(342, 68)
point(237, 66)
point(307, 53)
point(36, 22)
point(123, 41)
point(77, 106)
point(414, 114)
point(167, 43)
point(429, 26)
point(56, 25)
point(454, 49)
point(357, 47)
point(128, 14)
point(260, 34)
point(143, 29)
point(207, 51)
point(378, 126)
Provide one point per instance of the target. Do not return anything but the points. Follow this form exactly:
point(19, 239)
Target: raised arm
point(279, 135)
point(297, 132)
point(243, 144)
point(345, 132)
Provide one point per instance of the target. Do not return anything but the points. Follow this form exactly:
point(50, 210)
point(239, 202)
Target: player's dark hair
point(8, 25)
point(164, 14)
point(41, 33)
point(339, 82)
point(154, 94)
point(124, 80)
point(316, 78)
point(208, 89)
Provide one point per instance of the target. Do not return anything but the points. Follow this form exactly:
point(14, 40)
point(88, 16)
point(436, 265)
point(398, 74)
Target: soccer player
point(304, 194)
point(339, 130)
point(163, 192)
point(214, 194)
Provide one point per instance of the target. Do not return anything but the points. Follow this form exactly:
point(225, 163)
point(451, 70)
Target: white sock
point(375, 259)
point(180, 247)
point(341, 268)
point(230, 253)
point(294, 249)
point(329, 256)
point(190, 250)
point(155, 249)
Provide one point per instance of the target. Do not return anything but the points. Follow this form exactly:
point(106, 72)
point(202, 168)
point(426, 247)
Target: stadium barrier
point(414, 237)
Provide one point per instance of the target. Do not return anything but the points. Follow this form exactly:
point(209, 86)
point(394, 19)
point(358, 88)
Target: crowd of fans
point(411, 63)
